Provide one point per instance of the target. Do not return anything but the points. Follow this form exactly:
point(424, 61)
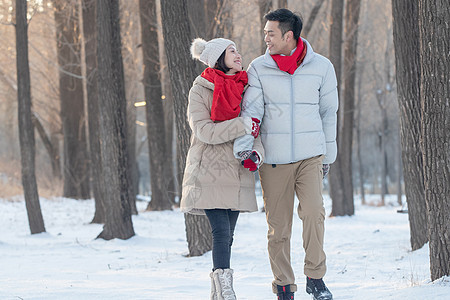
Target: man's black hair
point(289, 21)
point(220, 64)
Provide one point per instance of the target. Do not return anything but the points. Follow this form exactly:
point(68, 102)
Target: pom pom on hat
point(209, 52)
point(197, 47)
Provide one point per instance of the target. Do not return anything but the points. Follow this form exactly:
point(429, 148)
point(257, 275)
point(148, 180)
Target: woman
point(215, 183)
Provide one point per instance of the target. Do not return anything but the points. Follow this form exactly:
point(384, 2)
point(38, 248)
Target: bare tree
point(223, 25)
point(169, 120)
point(434, 98)
point(90, 49)
point(264, 7)
point(336, 30)
point(341, 182)
point(130, 36)
point(336, 40)
point(160, 167)
point(26, 130)
point(384, 87)
point(182, 73)
point(312, 17)
point(197, 10)
point(407, 56)
point(348, 107)
point(209, 19)
point(282, 3)
point(358, 137)
point(76, 172)
point(113, 125)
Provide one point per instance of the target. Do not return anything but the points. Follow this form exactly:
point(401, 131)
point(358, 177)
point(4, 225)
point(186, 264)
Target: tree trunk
point(381, 99)
point(90, 48)
point(399, 172)
point(160, 170)
point(26, 130)
point(209, 19)
point(113, 125)
point(264, 7)
point(384, 162)
point(335, 176)
point(407, 56)
point(181, 69)
point(282, 4)
point(131, 34)
point(132, 165)
point(200, 24)
point(52, 153)
point(359, 140)
point(224, 20)
point(342, 186)
point(169, 121)
point(434, 96)
point(346, 141)
point(76, 172)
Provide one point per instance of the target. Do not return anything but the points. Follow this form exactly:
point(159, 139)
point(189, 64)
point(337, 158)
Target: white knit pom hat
point(209, 52)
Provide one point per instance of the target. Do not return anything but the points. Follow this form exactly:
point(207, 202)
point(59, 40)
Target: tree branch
point(312, 17)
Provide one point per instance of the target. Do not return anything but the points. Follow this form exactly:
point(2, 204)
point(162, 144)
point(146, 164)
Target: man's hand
point(255, 127)
point(325, 170)
point(252, 162)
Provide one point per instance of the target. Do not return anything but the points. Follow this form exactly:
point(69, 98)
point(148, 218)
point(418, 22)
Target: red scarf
point(290, 63)
point(227, 95)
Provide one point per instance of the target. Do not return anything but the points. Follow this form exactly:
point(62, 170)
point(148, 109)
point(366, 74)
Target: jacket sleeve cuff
point(260, 157)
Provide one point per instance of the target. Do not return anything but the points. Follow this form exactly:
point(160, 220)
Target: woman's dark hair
point(220, 64)
point(289, 21)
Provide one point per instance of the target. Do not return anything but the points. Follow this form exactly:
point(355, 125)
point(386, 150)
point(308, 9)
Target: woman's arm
point(209, 132)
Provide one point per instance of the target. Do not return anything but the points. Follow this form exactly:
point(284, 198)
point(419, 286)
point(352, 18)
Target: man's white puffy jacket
point(298, 111)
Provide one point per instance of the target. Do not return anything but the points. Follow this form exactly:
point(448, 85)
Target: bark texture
point(26, 129)
point(76, 166)
point(434, 16)
point(113, 126)
point(407, 56)
point(264, 7)
point(160, 166)
point(90, 49)
point(182, 73)
point(336, 40)
point(343, 200)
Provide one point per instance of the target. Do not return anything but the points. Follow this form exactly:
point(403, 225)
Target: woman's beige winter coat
point(213, 177)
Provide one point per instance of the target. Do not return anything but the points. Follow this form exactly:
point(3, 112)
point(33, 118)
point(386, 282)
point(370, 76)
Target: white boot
point(223, 278)
point(213, 295)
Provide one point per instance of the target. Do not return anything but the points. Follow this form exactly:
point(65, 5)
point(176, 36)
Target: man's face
point(275, 41)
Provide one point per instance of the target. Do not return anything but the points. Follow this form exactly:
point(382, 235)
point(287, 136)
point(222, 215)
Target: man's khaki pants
point(278, 184)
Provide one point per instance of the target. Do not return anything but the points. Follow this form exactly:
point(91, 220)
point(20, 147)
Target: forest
point(93, 98)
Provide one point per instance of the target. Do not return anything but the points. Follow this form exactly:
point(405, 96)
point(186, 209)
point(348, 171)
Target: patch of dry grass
point(11, 182)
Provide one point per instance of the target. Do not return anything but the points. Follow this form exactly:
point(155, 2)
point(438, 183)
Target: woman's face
point(233, 60)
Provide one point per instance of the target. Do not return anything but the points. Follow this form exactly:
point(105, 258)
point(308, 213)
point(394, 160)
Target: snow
point(368, 256)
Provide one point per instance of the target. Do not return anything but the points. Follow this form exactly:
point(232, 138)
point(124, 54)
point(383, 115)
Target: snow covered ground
point(368, 257)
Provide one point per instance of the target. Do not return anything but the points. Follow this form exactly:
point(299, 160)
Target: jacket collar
point(270, 62)
point(204, 82)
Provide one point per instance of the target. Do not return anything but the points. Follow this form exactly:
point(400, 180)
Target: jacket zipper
point(292, 118)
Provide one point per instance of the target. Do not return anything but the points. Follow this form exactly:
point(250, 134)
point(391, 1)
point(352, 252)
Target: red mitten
point(252, 163)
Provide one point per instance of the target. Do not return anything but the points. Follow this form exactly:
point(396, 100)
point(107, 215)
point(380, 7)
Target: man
point(292, 90)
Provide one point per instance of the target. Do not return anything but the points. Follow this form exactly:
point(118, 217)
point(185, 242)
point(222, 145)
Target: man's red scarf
point(290, 63)
point(227, 95)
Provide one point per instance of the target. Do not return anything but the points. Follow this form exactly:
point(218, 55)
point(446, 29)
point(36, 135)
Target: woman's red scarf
point(227, 95)
point(290, 63)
